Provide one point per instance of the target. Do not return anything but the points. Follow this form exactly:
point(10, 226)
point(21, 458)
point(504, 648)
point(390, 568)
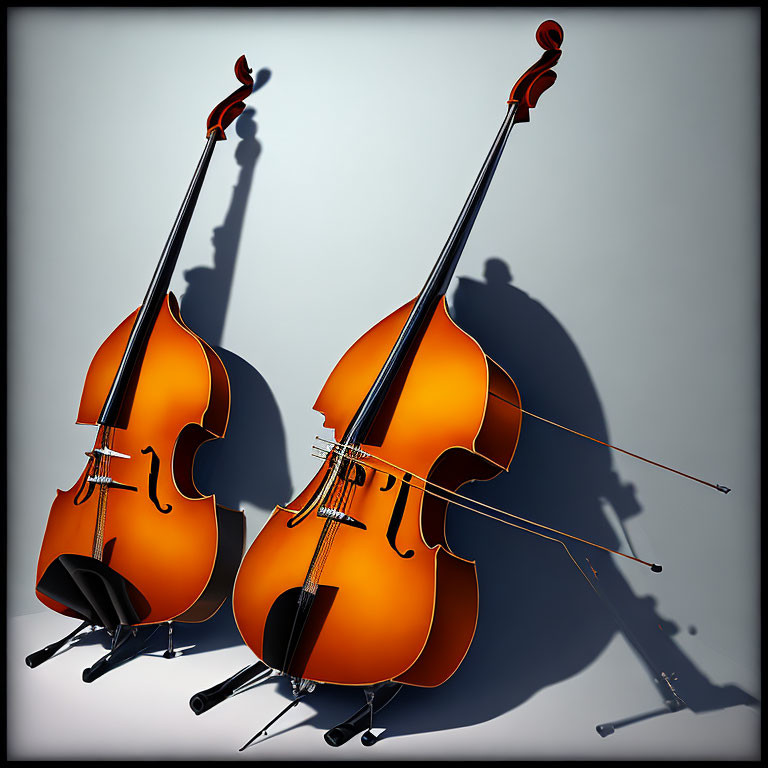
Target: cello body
point(354, 582)
point(393, 602)
point(165, 536)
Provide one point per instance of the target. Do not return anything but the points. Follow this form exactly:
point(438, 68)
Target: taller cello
point(134, 542)
point(353, 582)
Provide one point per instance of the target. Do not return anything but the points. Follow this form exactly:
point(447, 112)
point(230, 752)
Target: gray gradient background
point(628, 208)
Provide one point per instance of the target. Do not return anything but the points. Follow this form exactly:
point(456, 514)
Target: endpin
point(263, 731)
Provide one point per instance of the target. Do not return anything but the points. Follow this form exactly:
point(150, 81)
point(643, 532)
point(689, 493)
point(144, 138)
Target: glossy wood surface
point(400, 599)
point(181, 399)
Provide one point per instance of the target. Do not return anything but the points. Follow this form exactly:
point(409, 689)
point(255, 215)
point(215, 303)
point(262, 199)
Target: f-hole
point(154, 469)
point(397, 512)
point(80, 490)
point(91, 462)
point(391, 479)
point(346, 473)
point(352, 472)
point(305, 510)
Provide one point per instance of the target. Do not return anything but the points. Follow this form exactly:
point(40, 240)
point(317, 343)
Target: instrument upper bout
point(180, 376)
point(448, 376)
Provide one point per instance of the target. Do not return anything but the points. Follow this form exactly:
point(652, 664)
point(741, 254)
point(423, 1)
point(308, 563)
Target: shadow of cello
point(239, 468)
point(539, 623)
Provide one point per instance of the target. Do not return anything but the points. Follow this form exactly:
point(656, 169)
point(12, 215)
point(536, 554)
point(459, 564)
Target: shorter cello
point(134, 542)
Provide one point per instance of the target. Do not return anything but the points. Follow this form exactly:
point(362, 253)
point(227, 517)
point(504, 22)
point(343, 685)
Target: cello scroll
point(539, 76)
point(230, 108)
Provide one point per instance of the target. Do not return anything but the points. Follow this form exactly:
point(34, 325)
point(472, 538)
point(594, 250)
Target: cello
point(353, 582)
point(134, 543)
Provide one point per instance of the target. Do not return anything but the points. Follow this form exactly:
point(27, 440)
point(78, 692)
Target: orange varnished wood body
point(181, 400)
point(409, 619)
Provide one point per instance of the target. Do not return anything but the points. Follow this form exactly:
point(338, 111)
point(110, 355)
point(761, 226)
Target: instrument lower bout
point(360, 630)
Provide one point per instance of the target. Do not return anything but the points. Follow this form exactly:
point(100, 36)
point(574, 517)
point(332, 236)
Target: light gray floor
point(140, 711)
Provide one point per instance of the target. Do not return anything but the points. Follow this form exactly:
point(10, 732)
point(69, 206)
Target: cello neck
point(153, 300)
point(434, 289)
point(440, 277)
point(113, 412)
point(366, 426)
point(524, 96)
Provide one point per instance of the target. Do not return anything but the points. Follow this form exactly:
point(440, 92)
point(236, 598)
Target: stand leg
point(210, 697)
point(128, 642)
point(342, 733)
point(170, 653)
point(38, 657)
point(263, 731)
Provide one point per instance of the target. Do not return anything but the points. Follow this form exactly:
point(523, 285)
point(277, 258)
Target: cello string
point(721, 488)
point(327, 534)
point(309, 585)
point(101, 505)
point(104, 492)
point(337, 499)
point(332, 530)
point(456, 495)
